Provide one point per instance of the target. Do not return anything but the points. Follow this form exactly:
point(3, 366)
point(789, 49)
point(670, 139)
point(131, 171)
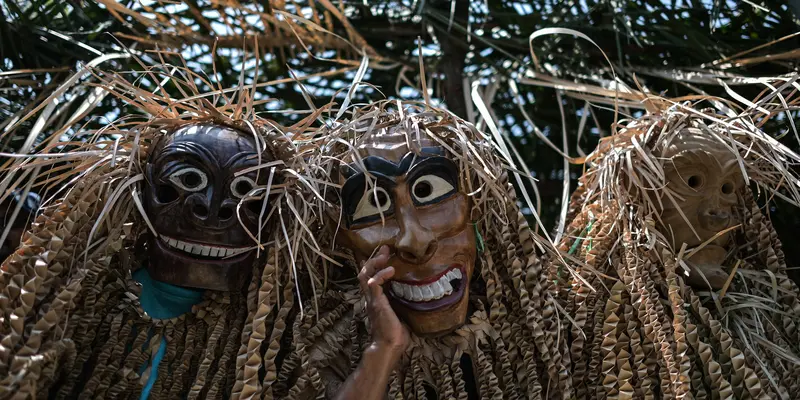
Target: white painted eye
point(241, 186)
point(428, 188)
point(190, 179)
point(372, 203)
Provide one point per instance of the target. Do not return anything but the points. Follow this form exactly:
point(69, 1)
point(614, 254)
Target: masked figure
point(467, 307)
point(698, 302)
point(153, 274)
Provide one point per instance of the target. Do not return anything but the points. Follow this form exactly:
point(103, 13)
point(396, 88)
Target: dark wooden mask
point(191, 198)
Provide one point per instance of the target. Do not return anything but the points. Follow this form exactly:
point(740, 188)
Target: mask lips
point(454, 277)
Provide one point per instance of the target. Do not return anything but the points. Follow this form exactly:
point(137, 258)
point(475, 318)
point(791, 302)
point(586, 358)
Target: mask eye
point(429, 188)
point(695, 181)
point(372, 203)
point(241, 186)
point(727, 188)
point(189, 179)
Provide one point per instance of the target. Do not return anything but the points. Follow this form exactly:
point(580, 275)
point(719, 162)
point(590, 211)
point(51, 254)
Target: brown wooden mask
point(705, 180)
point(191, 198)
point(426, 224)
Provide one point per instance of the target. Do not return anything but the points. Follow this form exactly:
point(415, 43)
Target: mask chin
point(439, 322)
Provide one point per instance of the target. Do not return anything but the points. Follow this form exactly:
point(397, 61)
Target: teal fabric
point(151, 380)
point(162, 301)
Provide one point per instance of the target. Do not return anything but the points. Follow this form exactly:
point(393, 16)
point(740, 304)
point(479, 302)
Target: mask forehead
point(216, 144)
point(394, 143)
point(693, 143)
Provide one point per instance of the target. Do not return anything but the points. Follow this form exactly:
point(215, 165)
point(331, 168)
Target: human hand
point(388, 333)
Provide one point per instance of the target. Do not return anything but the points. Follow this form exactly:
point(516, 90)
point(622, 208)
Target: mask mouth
point(203, 251)
point(437, 292)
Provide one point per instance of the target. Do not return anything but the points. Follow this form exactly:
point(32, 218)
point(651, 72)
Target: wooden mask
point(425, 222)
point(191, 198)
point(705, 179)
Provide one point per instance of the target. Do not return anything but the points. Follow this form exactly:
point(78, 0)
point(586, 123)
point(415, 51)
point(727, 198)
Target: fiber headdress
point(640, 330)
point(71, 321)
point(511, 333)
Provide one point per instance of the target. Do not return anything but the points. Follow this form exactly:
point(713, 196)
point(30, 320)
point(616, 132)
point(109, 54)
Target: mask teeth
point(429, 292)
point(203, 250)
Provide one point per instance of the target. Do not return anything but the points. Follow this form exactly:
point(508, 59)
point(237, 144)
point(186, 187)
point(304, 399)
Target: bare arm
point(371, 378)
point(389, 337)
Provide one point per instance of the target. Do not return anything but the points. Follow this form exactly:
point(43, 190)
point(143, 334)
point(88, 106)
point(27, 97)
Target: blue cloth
point(162, 301)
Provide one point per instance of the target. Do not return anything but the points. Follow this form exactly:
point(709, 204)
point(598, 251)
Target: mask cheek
point(366, 240)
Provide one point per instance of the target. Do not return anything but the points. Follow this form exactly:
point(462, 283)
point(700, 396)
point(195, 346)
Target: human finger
point(376, 282)
point(377, 262)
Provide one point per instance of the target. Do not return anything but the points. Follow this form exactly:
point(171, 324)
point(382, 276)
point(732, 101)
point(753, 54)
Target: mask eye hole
point(374, 202)
point(189, 179)
point(695, 182)
point(241, 186)
point(379, 200)
point(430, 188)
point(166, 194)
point(727, 188)
point(422, 189)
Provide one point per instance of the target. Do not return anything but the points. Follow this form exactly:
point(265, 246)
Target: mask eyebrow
point(387, 168)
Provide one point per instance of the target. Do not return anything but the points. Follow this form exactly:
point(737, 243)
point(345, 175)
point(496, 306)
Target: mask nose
point(415, 244)
point(714, 218)
point(204, 211)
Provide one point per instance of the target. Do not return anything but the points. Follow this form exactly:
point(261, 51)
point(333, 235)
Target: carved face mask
point(704, 178)
point(191, 199)
point(426, 224)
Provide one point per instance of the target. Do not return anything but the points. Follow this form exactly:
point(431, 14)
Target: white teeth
point(199, 249)
point(429, 292)
point(407, 292)
point(437, 290)
point(447, 287)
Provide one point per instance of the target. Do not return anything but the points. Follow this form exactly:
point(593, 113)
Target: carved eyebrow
point(186, 151)
point(244, 158)
point(382, 166)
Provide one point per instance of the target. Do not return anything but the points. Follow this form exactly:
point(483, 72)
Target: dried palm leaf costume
point(101, 302)
point(470, 283)
point(687, 293)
